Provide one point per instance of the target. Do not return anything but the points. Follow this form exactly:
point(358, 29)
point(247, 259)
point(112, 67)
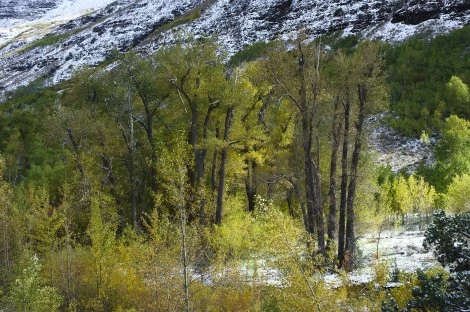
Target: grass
point(47, 40)
point(4, 45)
point(190, 16)
point(187, 18)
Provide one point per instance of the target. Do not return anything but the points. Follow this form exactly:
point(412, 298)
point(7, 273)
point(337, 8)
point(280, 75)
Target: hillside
point(54, 52)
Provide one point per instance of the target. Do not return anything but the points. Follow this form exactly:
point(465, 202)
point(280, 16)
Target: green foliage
point(435, 290)
point(28, 293)
point(440, 291)
point(267, 233)
point(451, 154)
point(413, 195)
point(347, 44)
point(12, 231)
point(419, 72)
point(44, 221)
point(429, 294)
point(402, 195)
point(338, 42)
point(457, 97)
point(79, 163)
point(226, 298)
point(33, 88)
point(229, 240)
point(448, 238)
point(250, 53)
point(456, 200)
point(338, 12)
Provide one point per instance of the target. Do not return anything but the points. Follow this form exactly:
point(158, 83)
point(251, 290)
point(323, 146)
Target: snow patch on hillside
point(64, 11)
point(70, 9)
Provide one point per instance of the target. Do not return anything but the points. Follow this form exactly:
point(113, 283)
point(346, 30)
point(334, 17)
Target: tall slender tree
point(297, 77)
point(197, 77)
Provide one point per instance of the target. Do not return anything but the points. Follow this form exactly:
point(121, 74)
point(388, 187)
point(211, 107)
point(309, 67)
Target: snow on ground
point(397, 249)
point(397, 32)
point(70, 9)
point(402, 250)
point(66, 10)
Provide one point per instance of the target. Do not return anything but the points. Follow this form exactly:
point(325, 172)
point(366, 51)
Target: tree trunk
point(344, 184)
point(132, 170)
point(184, 250)
point(250, 185)
point(290, 201)
point(128, 136)
point(214, 165)
point(153, 155)
point(309, 176)
point(193, 138)
point(194, 172)
point(319, 220)
point(336, 128)
point(148, 127)
point(223, 164)
point(350, 237)
point(301, 200)
point(202, 160)
point(312, 174)
point(150, 113)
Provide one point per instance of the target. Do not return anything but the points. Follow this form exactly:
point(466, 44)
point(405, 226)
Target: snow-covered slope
point(246, 21)
point(126, 24)
point(27, 16)
point(86, 41)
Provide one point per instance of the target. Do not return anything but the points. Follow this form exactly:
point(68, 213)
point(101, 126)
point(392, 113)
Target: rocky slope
point(20, 19)
point(150, 24)
point(394, 150)
point(16, 10)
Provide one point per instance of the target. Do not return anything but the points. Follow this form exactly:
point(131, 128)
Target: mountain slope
point(21, 17)
point(149, 25)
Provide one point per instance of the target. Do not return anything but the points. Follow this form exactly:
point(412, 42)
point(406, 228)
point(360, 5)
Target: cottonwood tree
point(342, 94)
point(353, 92)
point(137, 105)
point(197, 77)
point(296, 75)
point(263, 134)
point(368, 76)
point(239, 100)
point(152, 90)
point(84, 122)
